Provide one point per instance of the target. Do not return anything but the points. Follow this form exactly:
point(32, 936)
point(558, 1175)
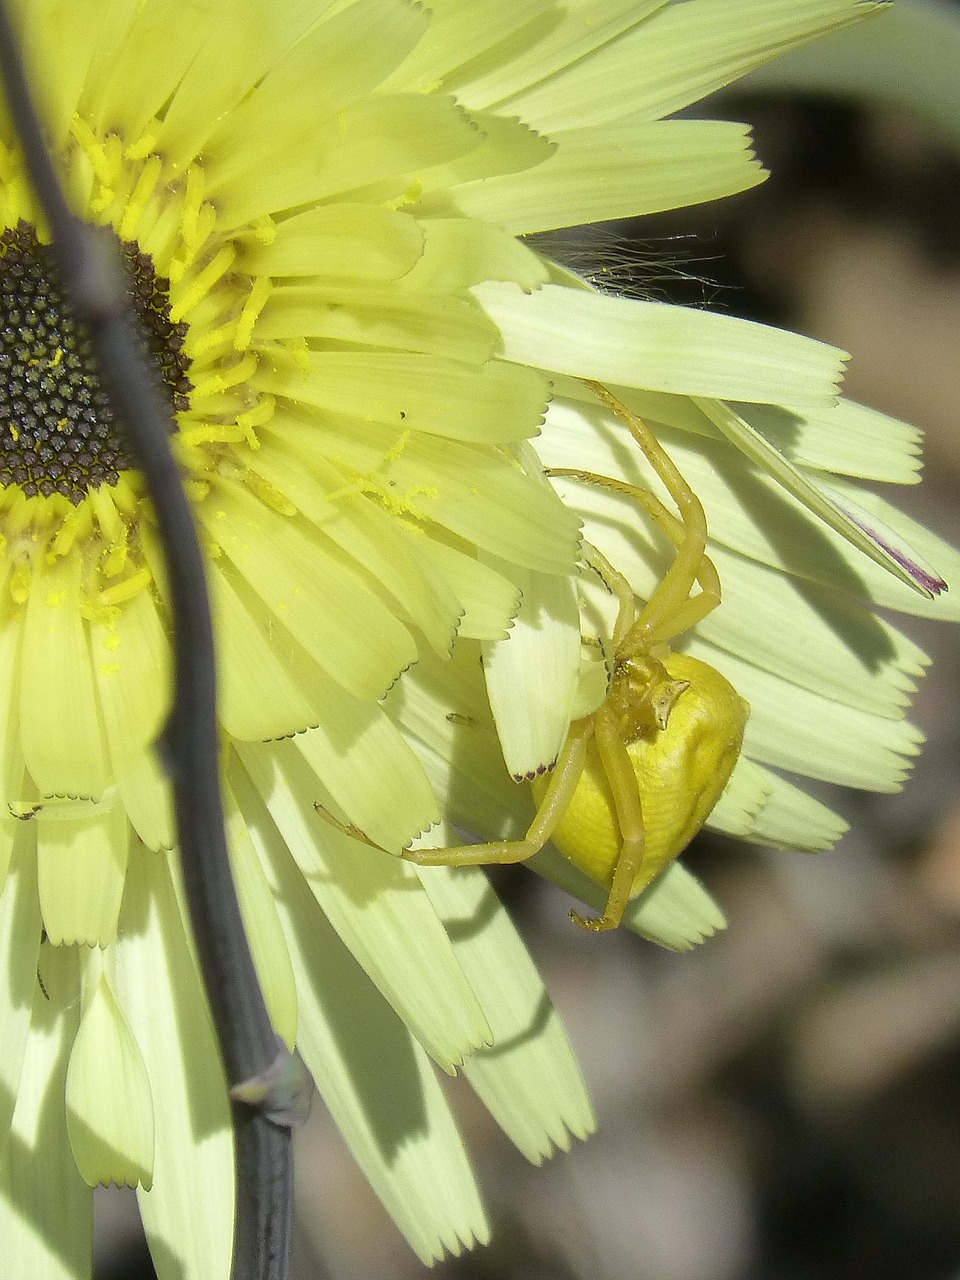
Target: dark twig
point(254, 1061)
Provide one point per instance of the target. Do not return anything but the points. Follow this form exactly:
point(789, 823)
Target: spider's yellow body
point(680, 771)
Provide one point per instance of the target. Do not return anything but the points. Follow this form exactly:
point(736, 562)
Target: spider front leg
point(553, 804)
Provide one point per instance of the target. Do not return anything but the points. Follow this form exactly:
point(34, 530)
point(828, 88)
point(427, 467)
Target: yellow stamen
point(242, 371)
point(123, 591)
point(259, 294)
point(203, 283)
point(139, 198)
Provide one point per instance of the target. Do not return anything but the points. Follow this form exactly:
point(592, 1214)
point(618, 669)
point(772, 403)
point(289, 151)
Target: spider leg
point(611, 578)
point(626, 798)
point(674, 588)
point(632, 634)
point(556, 799)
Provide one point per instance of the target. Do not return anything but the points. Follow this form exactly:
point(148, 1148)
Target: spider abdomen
point(680, 771)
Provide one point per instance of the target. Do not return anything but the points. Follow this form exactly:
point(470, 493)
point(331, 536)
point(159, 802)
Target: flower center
point(58, 432)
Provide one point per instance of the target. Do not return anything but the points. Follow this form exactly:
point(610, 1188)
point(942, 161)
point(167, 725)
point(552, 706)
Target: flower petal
point(109, 1105)
point(57, 688)
point(262, 927)
point(824, 739)
point(844, 438)
point(569, 35)
point(131, 661)
point(532, 676)
point(597, 175)
point(352, 241)
point(460, 252)
point(430, 324)
point(148, 800)
point(46, 1209)
point(814, 637)
point(651, 344)
point(379, 140)
point(682, 53)
point(395, 1121)
point(745, 796)
point(373, 900)
point(675, 911)
point(462, 30)
point(357, 47)
point(20, 931)
point(493, 403)
point(455, 484)
point(259, 697)
point(900, 563)
point(188, 1214)
point(81, 866)
point(127, 83)
point(791, 819)
point(242, 45)
point(528, 1078)
point(749, 512)
point(282, 561)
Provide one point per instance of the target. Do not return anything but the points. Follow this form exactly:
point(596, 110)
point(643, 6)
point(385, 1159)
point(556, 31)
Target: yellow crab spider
point(636, 779)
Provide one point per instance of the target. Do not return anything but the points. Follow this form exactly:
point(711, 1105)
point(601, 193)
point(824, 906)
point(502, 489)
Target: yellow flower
point(320, 206)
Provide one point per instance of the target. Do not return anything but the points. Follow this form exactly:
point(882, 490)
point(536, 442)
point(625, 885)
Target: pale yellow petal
point(11, 755)
point(369, 535)
point(366, 766)
point(380, 139)
point(462, 31)
point(283, 561)
point(453, 483)
point(813, 637)
point(808, 733)
point(682, 53)
point(489, 601)
point(128, 82)
point(20, 931)
point(653, 345)
point(352, 241)
point(131, 661)
point(531, 676)
point(373, 900)
point(60, 729)
point(493, 403)
point(259, 697)
point(528, 1078)
point(431, 324)
point(460, 252)
point(148, 800)
point(601, 174)
point(188, 1214)
point(56, 46)
point(46, 1209)
point(373, 1075)
point(81, 864)
point(562, 38)
point(443, 709)
point(244, 43)
point(109, 1104)
point(262, 927)
point(791, 819)
point(675, 911)
point(356, 47)
point(745, 796)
